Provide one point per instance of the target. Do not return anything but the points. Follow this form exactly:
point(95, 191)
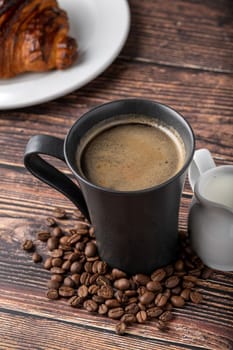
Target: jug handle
point(202, 161)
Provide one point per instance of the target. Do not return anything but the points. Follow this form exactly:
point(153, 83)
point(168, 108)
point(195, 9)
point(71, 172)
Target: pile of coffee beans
point(79, 275)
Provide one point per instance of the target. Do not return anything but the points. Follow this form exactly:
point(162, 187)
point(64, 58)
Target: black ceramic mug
point(136, 231)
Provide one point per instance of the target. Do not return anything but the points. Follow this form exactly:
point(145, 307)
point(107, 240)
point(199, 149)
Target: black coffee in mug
point(130, 159)
point(130, 152)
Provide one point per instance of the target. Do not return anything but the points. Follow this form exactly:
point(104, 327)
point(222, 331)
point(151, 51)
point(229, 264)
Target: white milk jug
point(211, 212)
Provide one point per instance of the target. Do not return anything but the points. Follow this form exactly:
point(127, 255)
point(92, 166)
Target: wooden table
point(179, 53)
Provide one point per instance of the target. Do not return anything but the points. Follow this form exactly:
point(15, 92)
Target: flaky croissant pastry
point(34, 37)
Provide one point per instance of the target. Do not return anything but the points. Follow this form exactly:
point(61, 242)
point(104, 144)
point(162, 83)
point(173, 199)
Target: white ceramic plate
point(100, 27)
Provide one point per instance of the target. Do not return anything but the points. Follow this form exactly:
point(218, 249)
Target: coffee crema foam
point(130, 153)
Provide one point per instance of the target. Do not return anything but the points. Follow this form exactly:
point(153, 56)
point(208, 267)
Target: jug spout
point(202, 161)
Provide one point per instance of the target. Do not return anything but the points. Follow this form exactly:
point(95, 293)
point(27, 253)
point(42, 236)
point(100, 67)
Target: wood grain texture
point(183, 33)
point(179, 53)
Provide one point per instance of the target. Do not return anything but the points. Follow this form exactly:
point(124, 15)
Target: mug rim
point(130, 192)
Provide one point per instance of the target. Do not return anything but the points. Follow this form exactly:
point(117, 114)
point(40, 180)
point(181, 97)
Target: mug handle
point(202, 161)
point(52, 146)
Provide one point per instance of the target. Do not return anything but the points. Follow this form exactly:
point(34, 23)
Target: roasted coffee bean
point(52, 243)
point(103, 281)
point(161, 325)
point(48, 263)
point(117, 274)
point(166, 316)
point(76, 267)
point(98, 299)
point(50, 222)
point(66, 265)
point(43, 236)
point(82, 291)
point(116, 313)
point(57, 278)
point(154, 312)
point(28, 245)
point(74, 239)
point(167, 292)
point(130, 293)
point(57, 270)
point(185, 293)
point(90, 249)
point(92, 259)
point(93, 278)
point(128, 318)
point(74, 257)
point(141, 279)
point(92, 232)
point(132, 308)
point(111, 303)
point(66, 291)
point(82, 224)
point(119, 295)
point(188, 284)
point(82, 232)
point(53, 284)
point(195, 272)
point(142, 306)
point(76, 301)
point(52, 294)
point(85, 278)
point(177, 301)
point(95, 266)
point(120, 328)
point(57, 253)
point(161, 300)
point(76, 278)
point(176, 291)
point(196, 297)
point(158, 275)
point(141, 290)
point(69, 282)
point(90, 305)
point(105, 292)
point(141, 316)
point(103, 309)
point(93, 289)
point(57, 232)
point(122, 284)
point(132, 300)
point(154, 286)
point(80, 246)
point(63, 240)
point(172, 281)
point(59, 213)
point(67, 249)
point(36, 258)
point(88, 266)
point(179, 265)
point(102, 267)
point(190, 278)
point(147, 298)
point(169, 270)
point(57, 262)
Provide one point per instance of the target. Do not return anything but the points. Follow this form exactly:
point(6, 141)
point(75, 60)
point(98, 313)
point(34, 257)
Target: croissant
point(34, 37)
